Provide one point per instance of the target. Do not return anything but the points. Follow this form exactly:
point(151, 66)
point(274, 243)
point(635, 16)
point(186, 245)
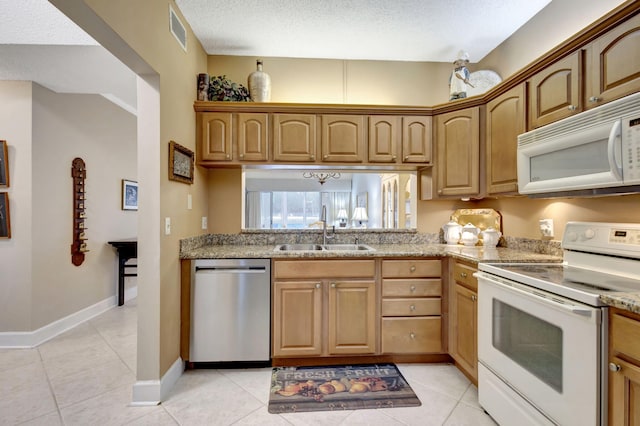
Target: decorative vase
point(203, 87)
point(259, 84)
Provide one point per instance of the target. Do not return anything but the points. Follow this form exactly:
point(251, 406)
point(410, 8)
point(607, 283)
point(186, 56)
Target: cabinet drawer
point(417, 306)
point(411, 335)
point(625, 335)
point(412, 287)
point(320, 269)
point(464, 275)
point(411, 268)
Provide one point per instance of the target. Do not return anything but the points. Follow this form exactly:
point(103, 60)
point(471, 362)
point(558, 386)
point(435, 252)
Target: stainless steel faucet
point(323, 219)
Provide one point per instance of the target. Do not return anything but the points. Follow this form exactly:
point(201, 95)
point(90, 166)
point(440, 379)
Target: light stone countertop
point(625, 301)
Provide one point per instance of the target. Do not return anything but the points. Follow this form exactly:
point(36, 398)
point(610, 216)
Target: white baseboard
point(30, 339)
point(152, 392)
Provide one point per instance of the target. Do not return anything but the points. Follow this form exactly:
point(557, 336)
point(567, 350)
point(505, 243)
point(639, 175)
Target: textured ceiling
point(401, 30)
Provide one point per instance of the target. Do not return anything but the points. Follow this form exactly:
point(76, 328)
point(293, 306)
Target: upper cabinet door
point(215, 138)
point(554, 93)
point(416, 139)
point(458, 139)
point(294, 137)
point(384, 137)
point(613, 64)
point(253, 137)
point(343, 138)
point(505, 121)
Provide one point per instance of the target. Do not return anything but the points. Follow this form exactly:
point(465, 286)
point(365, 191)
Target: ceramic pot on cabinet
point(469, 235)
point(490, 237)
point(452, 232)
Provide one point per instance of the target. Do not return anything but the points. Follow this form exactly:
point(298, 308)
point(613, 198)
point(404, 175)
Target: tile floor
point(85, 376)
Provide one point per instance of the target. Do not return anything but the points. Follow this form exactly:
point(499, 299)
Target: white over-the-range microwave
point(591, 153)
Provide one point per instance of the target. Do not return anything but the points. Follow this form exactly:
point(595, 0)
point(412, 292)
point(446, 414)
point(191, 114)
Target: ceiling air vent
point(177, 29)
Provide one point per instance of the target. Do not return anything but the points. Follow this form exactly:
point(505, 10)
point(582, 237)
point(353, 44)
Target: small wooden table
point(127, 249)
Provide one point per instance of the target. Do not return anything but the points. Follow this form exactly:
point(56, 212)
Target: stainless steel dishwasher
point(230, 310)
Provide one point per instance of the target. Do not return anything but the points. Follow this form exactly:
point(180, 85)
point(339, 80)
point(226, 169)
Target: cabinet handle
point(463, 274)
point(614, 367)
point(333, 285)
point(474, 297)
point(572, 107)
point(413, 288)
point(594, 99)
point(412, 268)
point(317, 285)
point(412, 307)
point(412, 335)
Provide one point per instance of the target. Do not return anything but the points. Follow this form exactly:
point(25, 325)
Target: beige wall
point(144, 27)
point(15, 253)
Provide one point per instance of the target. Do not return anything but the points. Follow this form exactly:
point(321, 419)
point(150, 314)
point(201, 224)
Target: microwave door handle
point(614, 146)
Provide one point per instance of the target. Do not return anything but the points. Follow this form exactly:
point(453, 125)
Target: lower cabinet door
point(352, 321)
point(411, 335)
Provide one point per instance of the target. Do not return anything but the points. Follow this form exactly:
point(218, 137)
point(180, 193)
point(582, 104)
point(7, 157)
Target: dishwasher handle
point(230, 269)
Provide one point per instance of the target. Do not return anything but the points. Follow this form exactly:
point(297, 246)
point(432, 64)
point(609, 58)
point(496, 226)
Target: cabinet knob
point(393, 157)
point(228, 157)
point(241, 156)
point(594, 99)
point(614, 367)
point(412, 268)
point(412, 307)
point(333, 285)
point(412, 335)
point(317, 285)
point(406, 158)
point(313, 157)
point(474, 297)
point(463, 274)
point(325, 157)
point(572, 107)
point(412, 288)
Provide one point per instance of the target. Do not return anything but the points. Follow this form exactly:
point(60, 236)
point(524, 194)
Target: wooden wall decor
point(79, 245)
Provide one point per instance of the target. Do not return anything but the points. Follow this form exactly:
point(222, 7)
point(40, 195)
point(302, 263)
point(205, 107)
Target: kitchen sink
point(348, 247)
point(298, 247)
point(326, 247)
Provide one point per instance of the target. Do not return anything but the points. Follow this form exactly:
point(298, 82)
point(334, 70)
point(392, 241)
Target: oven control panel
point(619, 239)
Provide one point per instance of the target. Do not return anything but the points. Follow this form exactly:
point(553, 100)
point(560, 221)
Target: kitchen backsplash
point(348, 236)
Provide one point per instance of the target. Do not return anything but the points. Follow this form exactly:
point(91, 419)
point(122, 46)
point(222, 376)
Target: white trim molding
point(153, 392)
point(31, 339)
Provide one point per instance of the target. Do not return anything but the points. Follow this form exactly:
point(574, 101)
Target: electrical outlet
point(546, 228)
point(167, 226)
point(205, 225)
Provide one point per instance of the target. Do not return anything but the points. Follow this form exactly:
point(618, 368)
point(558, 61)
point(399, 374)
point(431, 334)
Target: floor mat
point(339, 387)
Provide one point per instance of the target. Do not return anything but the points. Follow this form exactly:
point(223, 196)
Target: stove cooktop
point(574, 283)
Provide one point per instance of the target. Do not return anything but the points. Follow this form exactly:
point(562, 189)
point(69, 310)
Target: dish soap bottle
point(259, 84)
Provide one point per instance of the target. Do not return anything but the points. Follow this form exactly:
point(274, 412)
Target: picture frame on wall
point(5, 220)
point(129, 194)
point(4, 165)
point(181, 161)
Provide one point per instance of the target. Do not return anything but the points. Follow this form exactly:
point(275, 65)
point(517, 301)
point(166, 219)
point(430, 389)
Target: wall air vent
point(177, 29)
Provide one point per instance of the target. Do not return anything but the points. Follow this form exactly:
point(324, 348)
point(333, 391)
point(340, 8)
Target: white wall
point(15, 253)
point(62, 127)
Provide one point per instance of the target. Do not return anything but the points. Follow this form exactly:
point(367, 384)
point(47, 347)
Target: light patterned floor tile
point(464, 415)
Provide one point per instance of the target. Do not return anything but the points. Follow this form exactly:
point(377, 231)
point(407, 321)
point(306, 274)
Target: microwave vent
point(608, 112)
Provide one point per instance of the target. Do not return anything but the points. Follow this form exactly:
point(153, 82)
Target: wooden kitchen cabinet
point(555, 92)
point(613, 64)
point(215, 136)
point(384, 138)
point(505, 121)
point(324, 308)
point(416, 139)
point(253, 137)
point(411, 306)
point(458, 151)
point(463, 326)
point(343, 138)
point(294, 138)
point(624, 368)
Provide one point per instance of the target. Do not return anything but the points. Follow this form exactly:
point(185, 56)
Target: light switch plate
point(205, 224)
point(167, 226)
point(189, 202)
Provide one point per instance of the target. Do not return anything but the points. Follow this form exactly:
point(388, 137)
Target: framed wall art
point(4, 165)
point(129, 195)
point(5, 221)
point(180, 163)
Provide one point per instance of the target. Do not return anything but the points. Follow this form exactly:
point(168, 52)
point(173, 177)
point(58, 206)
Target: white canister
point(490, 237)
point(452, 231)
point(259, 84)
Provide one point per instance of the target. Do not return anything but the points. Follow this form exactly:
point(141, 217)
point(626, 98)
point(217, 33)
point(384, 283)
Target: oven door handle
point(550, 299)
